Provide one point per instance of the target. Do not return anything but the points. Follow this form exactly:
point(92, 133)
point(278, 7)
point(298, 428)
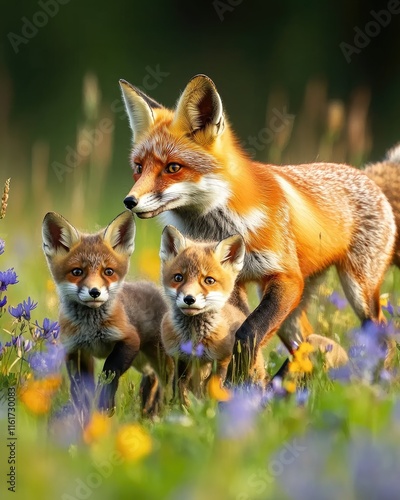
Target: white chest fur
point(91, 330)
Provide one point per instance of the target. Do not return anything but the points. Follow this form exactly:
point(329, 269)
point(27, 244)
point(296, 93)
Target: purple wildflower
point(18, 342)
point(22, 344)
point(302, 396)
point(186, 347)
point(47, 362)
point(368, 351)
point(238, 415)
point(28, 306)
point(385, 375)
point(16, 312)
point(2, 245)
point(389, 308)
point(191, 350)
point(48, 330)
point(27, 345)
point(198, 350)
point(277, 387)
point(8, 277)
point(50, 327)
point(342, 374)
point(3, 301)
point(338, 301)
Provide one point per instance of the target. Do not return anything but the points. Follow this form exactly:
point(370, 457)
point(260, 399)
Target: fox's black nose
point(130, 202)
point(189, 300)
point(94, 292)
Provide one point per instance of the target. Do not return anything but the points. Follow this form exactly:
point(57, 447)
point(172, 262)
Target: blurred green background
point(60, 101)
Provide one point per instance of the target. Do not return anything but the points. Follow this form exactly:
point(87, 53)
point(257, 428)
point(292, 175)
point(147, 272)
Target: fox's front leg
point(181, 385)
point(119, 360)
point(282, 293)
point(222, 369)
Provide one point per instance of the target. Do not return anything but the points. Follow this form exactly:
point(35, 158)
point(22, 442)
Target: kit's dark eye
point(138, 169)
point(209, 280)
point(77, 271)
point(178, 277)
point(172, 168)
point(108, 271)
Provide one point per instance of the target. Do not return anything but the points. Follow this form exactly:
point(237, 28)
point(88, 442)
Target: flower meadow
point(315, 434)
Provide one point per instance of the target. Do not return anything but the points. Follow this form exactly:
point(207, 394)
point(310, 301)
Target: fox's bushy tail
point(387, 175)
point(393, 155)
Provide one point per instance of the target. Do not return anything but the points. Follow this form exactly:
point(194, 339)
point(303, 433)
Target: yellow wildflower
point(304, 348)
point(133, 442)
point(289, 385)
point(302, 366)
point(216, 390)
point(98, 426)
point(301, 362)
point(384, 299)
point(37, 394)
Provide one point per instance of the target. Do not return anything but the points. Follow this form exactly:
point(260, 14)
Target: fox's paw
point(245, 339)
point(150, 395)
point(245, 343)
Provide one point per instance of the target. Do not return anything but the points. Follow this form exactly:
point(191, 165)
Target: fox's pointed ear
point(200, 108)
point(172, 242)
point(139, 108)
point(231, 251)
point(58, 235)
point(120, 233)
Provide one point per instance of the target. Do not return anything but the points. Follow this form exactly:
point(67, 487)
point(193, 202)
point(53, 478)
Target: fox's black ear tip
point(202, 76)
point(124, 83)
point(50, 215)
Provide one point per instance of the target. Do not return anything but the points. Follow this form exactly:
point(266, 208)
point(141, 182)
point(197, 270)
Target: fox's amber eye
point(138, 169)
point(108, 271)
point(178, 278)
point(209, 280)
point(77, 271)
point(172, 168)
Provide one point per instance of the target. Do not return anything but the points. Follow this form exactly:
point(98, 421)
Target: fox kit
point(296, 220)
point(198, 279)
point(100, 315)
point(387, 175)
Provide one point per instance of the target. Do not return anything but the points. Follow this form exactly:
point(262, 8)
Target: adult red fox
point(101, 316)
point(199, 278)
point(296, 220)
